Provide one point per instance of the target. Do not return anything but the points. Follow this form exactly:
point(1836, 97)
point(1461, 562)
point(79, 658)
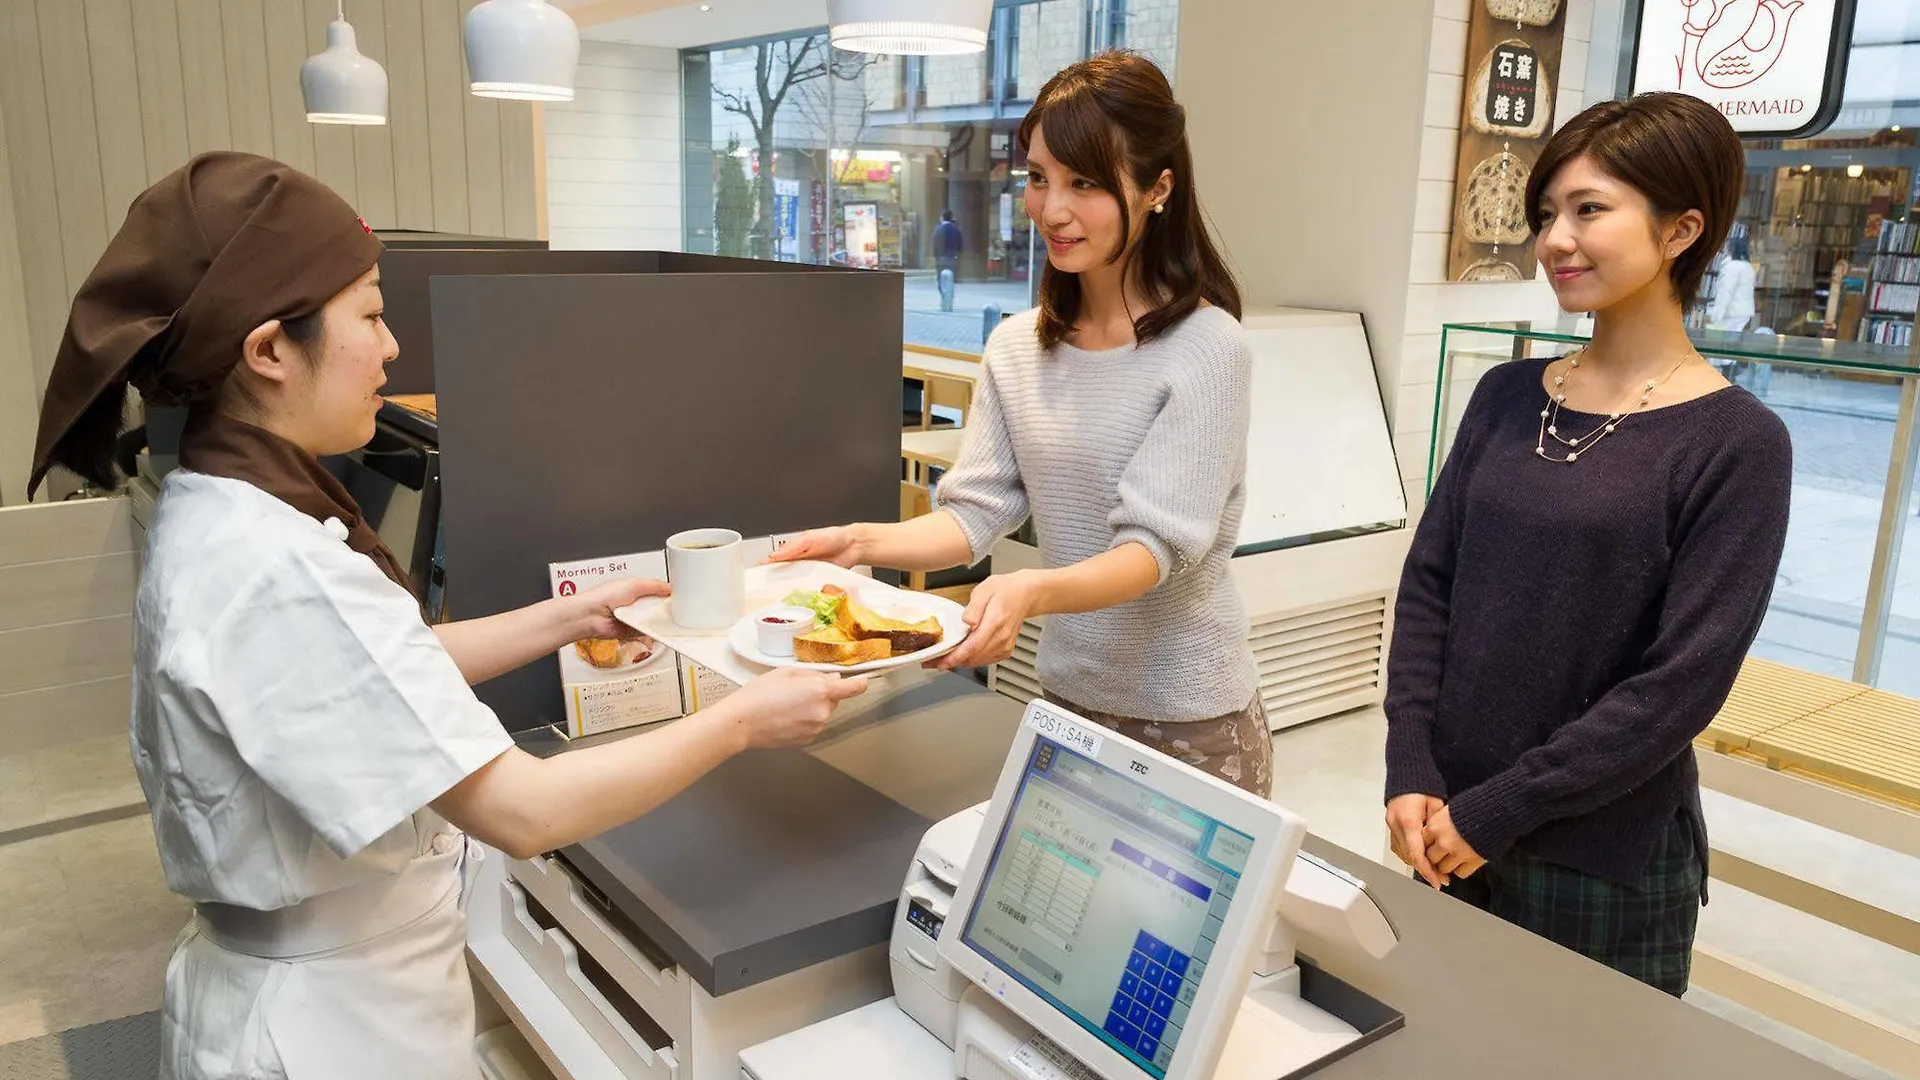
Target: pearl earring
point(1159, 208)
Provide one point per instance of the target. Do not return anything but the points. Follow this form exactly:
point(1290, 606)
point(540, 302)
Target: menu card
point(612, 683)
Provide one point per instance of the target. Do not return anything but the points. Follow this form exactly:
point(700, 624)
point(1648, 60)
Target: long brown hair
point(1112, 112)
point(1676, 150)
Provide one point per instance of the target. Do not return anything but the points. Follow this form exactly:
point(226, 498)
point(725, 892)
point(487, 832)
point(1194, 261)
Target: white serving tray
point(767, 586)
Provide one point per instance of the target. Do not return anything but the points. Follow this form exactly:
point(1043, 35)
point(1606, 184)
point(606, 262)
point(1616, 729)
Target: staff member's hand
point(1000, 605)
point(1447, 850)
point(599, 603)
point(835, 545)
point(790, 706)
point(1407, 817)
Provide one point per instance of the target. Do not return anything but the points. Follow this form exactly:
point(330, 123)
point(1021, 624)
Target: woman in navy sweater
point(1594, 562)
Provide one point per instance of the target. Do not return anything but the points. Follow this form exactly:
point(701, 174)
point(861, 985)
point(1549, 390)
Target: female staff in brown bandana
point(310, 748)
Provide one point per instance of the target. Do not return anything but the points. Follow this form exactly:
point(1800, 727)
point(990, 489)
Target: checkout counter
point(762, 901)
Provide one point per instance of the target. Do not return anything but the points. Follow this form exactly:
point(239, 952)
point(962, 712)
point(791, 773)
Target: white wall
point(1431, 299)
point(1305, 121)
point(614, 152)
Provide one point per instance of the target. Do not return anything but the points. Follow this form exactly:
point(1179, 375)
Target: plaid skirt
point(1237, 747)
point(1644, 931)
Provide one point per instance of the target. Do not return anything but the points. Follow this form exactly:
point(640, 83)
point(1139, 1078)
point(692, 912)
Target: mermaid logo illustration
point(1733, 43)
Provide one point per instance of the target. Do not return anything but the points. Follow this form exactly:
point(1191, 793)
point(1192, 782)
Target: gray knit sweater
point(1145, 444)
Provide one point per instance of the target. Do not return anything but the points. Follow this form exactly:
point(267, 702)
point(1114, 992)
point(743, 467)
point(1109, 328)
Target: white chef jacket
point(292, 718)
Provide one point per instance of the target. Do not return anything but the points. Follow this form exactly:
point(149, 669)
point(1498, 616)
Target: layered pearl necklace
point(1580, 444)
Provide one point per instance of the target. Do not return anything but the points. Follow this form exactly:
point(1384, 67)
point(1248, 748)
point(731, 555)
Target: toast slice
point(829, 645)
point(904, 637)
point(842, 613)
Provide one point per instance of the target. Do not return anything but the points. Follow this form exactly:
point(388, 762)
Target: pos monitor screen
point(1116, 898)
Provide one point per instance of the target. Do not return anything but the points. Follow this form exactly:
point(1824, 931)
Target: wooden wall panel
point(18, 400)
point(36, 204)
point(37, 719)
point(41, 657)
point(203, 72)
point(373, 146)
point(519, 217)
point(37, 594)
point(163, 95)
point(243, 36)
point(64, 530)
point(116, 105)
point(446, 113)
point(407, 115)
point(76, 149)
point(286, 27)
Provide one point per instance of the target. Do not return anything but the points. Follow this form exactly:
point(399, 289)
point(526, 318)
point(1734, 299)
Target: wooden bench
point(1828, 731)
point(1842, 756)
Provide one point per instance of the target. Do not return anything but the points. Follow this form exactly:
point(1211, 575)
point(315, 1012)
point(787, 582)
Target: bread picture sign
point(1507, 112)
point(615, 682)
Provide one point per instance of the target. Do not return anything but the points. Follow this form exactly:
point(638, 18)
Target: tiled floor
point(86, 923)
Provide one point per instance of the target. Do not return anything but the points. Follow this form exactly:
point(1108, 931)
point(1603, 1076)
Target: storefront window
point(1827, 246)
point(801, 153)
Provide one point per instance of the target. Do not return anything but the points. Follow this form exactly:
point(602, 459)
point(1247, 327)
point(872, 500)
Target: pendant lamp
point(909, 27)
point(340, 85)
point(523, 49)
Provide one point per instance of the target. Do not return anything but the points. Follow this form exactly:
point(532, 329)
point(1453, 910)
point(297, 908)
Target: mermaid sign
point(1773, 67)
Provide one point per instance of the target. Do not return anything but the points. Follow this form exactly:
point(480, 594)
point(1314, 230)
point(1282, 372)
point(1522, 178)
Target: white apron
point(293, 720)
point(367, 982)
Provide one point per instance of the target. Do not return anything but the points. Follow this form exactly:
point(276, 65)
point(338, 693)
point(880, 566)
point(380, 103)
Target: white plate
point(882, 599)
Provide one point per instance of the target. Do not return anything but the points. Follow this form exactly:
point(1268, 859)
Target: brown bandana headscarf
point(207, 255)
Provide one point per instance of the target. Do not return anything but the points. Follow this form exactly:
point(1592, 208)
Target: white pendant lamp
point(909, 27)
point(340, 85)
point(522, 49)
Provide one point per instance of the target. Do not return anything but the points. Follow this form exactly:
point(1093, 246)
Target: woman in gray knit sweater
point(1115, 415)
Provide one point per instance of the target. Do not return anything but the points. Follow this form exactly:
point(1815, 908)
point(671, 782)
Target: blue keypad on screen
point(1158, 976)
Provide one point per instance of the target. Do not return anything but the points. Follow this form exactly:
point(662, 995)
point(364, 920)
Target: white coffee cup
point(709, 578)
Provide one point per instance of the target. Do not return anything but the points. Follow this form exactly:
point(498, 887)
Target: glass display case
point(1842, 604)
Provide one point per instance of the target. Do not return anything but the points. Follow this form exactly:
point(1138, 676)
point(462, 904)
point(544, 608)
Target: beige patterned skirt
point(1237, 747)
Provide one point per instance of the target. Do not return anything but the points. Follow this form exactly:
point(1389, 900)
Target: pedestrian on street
point(948, 242)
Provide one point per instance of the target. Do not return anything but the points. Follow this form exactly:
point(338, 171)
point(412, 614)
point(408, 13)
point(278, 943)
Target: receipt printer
point(925, 985)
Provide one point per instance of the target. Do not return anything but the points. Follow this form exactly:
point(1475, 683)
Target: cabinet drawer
point(631, 1039)
point(634, 962)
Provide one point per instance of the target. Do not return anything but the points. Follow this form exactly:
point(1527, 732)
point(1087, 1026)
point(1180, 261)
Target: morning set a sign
point(1775, 69)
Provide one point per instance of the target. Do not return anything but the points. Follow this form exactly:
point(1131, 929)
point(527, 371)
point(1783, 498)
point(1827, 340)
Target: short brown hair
point(1116, 112)
point(1676, 150)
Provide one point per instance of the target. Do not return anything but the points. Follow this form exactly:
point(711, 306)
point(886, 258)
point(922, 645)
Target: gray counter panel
point(771, 863)
point(1485, 1000)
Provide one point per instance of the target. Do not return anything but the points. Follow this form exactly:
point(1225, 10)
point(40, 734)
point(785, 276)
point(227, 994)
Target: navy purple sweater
point(1564, 631)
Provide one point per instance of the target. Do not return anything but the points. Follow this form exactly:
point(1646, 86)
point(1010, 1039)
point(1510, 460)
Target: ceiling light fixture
point(526, 50)
point(339, 84)
point(1856, 171)
point(925, 28)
